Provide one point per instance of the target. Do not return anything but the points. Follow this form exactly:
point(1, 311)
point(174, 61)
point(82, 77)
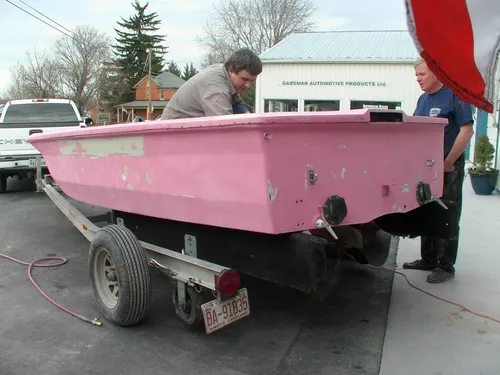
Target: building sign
point(371, 104)
point(375, 106)
point(336, 83)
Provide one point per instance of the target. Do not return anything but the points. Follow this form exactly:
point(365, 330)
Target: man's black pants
point(443, 252)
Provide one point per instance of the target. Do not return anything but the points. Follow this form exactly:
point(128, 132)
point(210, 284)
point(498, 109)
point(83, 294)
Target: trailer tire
point(191, 314)
point(119, 274)
point(379, 255)
point(3, 183)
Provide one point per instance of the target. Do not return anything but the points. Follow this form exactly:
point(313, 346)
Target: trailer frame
point(190, 275)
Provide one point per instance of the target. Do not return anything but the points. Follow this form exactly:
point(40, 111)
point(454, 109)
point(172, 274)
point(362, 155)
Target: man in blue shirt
point(440, 255)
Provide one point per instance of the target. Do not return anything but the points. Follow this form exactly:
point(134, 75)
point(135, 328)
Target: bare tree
point(81, 58)
point(17, 88)
point(38, 77)
point(255, 24)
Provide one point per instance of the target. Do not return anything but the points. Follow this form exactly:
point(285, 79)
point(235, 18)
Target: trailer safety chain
point(58, 261)
point(192, 282)
point(327, 226)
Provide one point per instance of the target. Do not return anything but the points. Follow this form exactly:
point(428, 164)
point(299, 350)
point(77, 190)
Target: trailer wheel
point(191, 312)
point(3, 183)
point(385, 244)
point(119, 275)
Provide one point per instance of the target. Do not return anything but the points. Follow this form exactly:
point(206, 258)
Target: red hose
point(60, 262)
point(432, 295)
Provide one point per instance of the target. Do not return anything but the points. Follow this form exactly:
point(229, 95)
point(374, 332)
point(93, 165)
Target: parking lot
point(286, 333)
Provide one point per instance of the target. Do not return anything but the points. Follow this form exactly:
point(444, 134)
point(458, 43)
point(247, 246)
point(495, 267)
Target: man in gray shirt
point(217, 89)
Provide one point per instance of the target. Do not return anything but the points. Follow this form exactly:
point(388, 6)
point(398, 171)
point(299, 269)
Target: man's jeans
point(443, 252)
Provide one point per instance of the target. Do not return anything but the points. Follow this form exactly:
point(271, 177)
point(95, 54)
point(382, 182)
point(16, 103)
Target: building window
point(162, 95)
point(280, 105)
point(321, 105)
point(372, 104)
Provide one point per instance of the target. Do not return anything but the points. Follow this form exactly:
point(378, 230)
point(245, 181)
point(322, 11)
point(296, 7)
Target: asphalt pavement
point(286, 333)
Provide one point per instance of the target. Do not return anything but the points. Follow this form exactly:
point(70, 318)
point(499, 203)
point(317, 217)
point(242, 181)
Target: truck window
point(37, 112)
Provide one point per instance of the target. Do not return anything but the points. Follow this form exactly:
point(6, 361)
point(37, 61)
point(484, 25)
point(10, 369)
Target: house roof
point(143, 104)
point(344, 46)
point(165, 80)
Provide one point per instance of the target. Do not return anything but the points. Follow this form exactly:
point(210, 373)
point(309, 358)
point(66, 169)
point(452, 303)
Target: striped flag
point(460, 41)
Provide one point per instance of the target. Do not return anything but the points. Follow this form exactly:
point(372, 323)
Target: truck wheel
point(191, 312)
point(3, 183)
point(119, 275)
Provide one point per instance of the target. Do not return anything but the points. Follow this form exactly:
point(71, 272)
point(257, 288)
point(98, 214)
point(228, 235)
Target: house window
point(162, 95)
point(321, 105)
point(369, 104)
point(281, 105)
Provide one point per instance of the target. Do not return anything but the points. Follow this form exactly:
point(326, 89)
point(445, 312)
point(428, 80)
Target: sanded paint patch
point(148, 179)
point(128, 146)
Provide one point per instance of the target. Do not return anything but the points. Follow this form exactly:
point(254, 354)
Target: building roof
point(344, 46)
point(143, 104)
point(165, 80)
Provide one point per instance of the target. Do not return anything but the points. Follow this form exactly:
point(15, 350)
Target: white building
point(339, 70)
point(342, 70)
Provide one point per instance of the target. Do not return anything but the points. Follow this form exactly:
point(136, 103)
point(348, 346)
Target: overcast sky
point(181, 20)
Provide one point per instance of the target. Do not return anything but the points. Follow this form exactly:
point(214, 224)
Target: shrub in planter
point(482, 174)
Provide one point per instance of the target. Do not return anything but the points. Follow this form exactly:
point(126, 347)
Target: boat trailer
point(118, 265)
point(190, 256)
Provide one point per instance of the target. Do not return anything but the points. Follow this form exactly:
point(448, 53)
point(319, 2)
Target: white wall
point(399, 81)
point(492, 133)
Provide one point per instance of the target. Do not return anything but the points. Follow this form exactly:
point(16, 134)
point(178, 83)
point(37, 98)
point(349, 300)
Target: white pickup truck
point(20, 119)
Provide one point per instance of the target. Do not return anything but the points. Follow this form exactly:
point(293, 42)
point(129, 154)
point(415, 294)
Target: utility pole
point(149, 85)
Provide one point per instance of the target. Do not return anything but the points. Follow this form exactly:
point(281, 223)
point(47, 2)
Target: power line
point(29, 6)
point(32, 15)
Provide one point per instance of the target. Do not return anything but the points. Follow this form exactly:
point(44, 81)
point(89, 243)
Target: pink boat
point(269, 195)
point(267, 173)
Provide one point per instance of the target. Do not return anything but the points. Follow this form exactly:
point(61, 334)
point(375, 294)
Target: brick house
point(97, 112)
point(163, 87)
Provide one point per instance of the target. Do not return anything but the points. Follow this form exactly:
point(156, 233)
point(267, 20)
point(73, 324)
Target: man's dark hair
point(244, 59)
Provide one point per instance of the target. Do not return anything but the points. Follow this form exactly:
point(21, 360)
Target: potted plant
point(482, 175)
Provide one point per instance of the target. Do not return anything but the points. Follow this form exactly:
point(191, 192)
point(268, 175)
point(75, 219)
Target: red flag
point(460, 41)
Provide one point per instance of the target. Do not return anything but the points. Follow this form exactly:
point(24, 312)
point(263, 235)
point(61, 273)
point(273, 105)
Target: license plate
point(218, 314)
point(33, 163)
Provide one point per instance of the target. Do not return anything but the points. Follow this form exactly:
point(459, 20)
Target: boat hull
point(268, 173)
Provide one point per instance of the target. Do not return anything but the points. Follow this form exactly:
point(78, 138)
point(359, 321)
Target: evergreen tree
point(133, 44)
point(189, 71)
point(174, 69)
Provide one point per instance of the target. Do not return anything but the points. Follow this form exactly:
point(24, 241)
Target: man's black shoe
point(419, 265)
point(440, 275)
